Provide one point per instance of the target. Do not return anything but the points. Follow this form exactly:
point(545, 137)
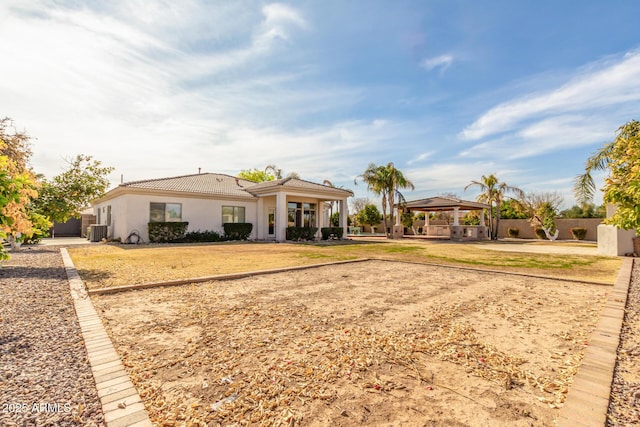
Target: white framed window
point(233, 214)
point(165, 212)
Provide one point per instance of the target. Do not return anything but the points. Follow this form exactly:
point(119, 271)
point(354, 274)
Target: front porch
point(293, 202)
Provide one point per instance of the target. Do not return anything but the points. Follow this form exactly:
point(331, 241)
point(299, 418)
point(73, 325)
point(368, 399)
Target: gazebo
point(444, 203)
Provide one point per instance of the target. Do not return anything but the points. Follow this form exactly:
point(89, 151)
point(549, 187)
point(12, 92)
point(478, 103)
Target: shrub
point(165, 232)
point(301, 233)
point(237, 230)
point(331, 232)
point(513, 232)
point(579, 233)
point(203, 236)
point(540, 234)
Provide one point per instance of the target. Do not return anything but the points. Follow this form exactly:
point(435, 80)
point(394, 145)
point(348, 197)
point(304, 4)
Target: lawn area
point(103, 266)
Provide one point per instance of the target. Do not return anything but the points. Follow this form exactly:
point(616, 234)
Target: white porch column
point(281, 217)
point(482, 217)
point(320, 218)
point(456, 215)
point(259, 224)
point(398, 213)
point(344, 213)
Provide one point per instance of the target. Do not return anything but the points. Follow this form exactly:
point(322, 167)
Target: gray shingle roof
point(203, 183)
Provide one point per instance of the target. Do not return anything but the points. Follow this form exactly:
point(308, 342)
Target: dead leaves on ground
point(261, 364)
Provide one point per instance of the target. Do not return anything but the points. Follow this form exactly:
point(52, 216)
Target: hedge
point(513, 232)
point(540, 234)
point(237, 230)
point(328, 231)
point(301, 233)
point(165, 232)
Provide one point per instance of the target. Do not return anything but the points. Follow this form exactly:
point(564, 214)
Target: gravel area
point(624, 404)
point(45, 378)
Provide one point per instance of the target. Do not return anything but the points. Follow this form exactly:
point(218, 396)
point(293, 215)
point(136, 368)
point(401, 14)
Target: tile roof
point(298, 183)
point(444, 203)
point(203, 183)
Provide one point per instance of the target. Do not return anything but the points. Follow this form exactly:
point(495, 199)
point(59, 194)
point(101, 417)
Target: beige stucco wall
point(131, 212)
point(564, 225)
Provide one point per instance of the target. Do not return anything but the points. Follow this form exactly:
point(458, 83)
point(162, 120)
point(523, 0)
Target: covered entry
point(450, 204)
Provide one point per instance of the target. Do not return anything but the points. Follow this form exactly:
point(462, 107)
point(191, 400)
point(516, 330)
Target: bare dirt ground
point(375, 343)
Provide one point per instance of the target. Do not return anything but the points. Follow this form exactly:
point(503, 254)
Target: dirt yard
point(374, 343)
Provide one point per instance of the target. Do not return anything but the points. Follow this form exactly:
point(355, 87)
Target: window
point(302, 214)
point(165, 212)
point(232, 214)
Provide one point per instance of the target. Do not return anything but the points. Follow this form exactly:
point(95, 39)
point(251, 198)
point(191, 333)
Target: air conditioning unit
point(97, 233)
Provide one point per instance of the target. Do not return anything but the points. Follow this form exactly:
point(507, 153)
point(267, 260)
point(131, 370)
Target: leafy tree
point(493, 191)
point(542, 209)
point(359, 203)
point(67, 194)
point(277, 172)
point(621, 158)
point(587, 210)
point(369, 215)
point(512, 209)
point(386, 181)
point(256, 175)
point(19, 184)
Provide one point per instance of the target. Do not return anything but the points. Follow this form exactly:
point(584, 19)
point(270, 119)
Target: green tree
point(542, 209)
point(621, 158)
point(587, 210)
point(386, 181)
point(19, 185)
point(67, 194)
point(256, 175)
point(512, 209)
point(493, 191)
point(369, 215)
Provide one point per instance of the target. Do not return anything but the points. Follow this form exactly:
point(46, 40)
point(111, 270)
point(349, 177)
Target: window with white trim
point(233, 214)
point(165, 212)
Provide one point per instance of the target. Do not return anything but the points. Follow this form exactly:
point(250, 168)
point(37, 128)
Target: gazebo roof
point(443, 203)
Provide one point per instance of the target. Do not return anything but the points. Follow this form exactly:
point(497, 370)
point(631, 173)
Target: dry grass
point(117, 265)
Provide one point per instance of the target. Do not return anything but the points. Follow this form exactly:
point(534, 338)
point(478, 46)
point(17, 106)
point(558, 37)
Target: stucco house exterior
point(208, 200)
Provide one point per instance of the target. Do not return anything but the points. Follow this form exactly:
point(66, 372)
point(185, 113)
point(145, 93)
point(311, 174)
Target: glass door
point(272, 222)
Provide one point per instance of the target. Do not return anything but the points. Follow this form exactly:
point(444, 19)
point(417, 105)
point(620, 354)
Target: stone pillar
point(320, 218)
point(456, 216)
point(260, 224)
point(281, 217)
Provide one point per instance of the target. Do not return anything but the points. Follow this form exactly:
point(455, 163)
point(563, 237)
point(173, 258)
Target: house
point(208, 200)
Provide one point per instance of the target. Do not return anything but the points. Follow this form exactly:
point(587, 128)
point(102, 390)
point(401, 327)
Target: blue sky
point(447, 90)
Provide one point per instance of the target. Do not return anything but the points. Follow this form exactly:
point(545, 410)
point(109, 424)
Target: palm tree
point(492, 190)
point(374, 177)
point(487, 194)
point(499, 194)
point(277, 172)
point(386, 181)
point(395, 181)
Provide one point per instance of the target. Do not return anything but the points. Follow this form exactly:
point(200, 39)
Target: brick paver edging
point(588, 399)
point(121, 404)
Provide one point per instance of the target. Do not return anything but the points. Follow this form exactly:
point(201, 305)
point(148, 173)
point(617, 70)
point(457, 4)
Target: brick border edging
point(587, 403)
point(121, 404)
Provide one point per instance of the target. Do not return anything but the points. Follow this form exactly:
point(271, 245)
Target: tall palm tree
point(501, 189)
point(493, 190)
point(374, 177)
point(386, 181)
point(395, 181)
point(487, 194)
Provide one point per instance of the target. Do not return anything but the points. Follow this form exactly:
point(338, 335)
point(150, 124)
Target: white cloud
point(545, 136)
point(602, 85)
point(420, 157)
point(443, 62)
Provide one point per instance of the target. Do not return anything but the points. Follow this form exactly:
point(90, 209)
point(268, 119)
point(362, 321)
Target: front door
point(271, 220)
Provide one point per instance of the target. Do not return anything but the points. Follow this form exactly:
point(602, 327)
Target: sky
point(447, 90)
